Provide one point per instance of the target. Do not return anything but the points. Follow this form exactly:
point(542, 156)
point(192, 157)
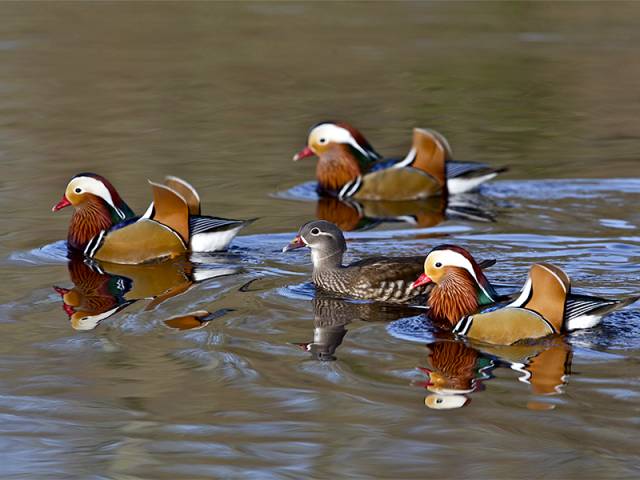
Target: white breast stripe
point(463, 326)
point(89, 245)
point(344, 189)
point(355, 187)
point(350, 188)
point(97, 241)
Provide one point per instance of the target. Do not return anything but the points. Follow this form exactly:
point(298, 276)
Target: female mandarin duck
point(383, 279)
point(105, 228)
point(331, 316)
point(348, 166)
point(544, 307)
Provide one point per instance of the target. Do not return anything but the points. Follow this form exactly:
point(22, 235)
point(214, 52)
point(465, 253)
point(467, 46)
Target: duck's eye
point(322, 140)
point(315, 231)
point(78, 190)
point(438, 264)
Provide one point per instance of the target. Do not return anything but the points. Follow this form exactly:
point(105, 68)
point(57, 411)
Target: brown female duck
point(384, 279)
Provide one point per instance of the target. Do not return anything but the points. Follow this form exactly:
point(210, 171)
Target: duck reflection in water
point(332, 315)
point(101, 290)
point(350, 214)
point(458, 369)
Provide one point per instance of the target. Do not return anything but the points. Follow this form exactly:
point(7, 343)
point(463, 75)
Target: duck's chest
point(85, 225)
point(334, 173)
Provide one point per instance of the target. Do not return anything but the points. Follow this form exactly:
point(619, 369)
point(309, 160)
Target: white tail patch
point(583, 321)
point(201, 274)
point(213, 241)
point(462, 185)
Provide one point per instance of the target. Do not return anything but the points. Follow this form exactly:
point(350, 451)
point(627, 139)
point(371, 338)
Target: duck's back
point(398, 184)
point(381, 279)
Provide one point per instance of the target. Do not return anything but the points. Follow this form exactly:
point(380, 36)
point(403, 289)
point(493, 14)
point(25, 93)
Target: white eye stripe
point(449, 258)
point(329, 132)
point(95, 187)
point(320, 233)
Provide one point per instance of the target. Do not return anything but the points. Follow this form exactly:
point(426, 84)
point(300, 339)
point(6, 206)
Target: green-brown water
point(223, 95)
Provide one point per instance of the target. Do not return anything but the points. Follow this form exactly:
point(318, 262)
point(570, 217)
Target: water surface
point(280, 382)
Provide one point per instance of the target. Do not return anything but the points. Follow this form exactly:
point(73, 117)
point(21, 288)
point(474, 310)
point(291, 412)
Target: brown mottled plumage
point(454, 297)
point(384, 279)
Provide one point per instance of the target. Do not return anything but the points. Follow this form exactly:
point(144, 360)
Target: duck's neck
point(339, 166)
point(326, 260)
point(86, 222)
point(454, 297)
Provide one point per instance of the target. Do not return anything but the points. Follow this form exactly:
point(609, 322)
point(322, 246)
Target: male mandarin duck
point(348, 166)
point(100, 291)
point(383, 279)
point(95, 295)
point(545, 306)
point(458, 369)
point(104, 227)
point(349, 214)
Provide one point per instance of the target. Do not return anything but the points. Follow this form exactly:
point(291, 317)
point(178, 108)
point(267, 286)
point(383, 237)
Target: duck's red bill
point(69, 310)
point(422, 280)
point(61, 204)
point(295, 243)
point(61, 291)
point(304, 153)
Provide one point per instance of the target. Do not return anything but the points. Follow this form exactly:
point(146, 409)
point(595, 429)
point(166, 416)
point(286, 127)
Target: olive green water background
point(223, 94)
